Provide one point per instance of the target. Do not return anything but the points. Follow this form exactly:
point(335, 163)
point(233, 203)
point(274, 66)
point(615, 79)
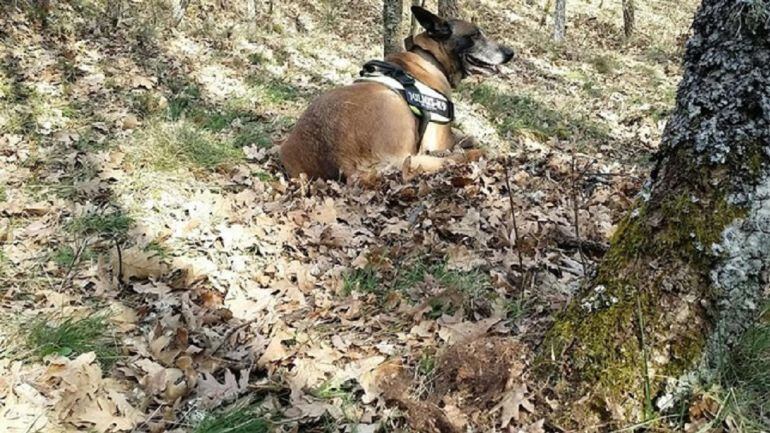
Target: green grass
point(605, 64)
point(515, 308)
point(158, 250)
point(257, 58)
point(168, 146)
point(71, 337)
point(64, 256)
point(108, 225)
point(521, 113)
point(745, 377)
point(426, 366)
point(263, 176)
point(253, 134)
point(241, 418)
point(329, 390)
point(273, 91)
point(365, 280)
point(3, 193)
point(182, 101)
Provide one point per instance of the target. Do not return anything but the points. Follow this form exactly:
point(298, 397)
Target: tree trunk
point(391, 26)
point(687, 267)
point(413, 23)
point(559, 20)
point(629, 10)
point(179, 8)
point(449, 9)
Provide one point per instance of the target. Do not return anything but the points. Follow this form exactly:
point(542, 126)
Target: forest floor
point(159, 273)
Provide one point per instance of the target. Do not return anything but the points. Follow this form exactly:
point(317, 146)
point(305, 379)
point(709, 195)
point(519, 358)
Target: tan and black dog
point(367, 126)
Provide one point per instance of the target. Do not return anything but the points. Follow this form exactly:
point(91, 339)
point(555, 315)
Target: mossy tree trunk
point(391, 26)
point(687, 266)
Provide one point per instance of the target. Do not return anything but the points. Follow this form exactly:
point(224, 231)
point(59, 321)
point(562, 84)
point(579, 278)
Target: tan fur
point(366, 126)
point(357, 130)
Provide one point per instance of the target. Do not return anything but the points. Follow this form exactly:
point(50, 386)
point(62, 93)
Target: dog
point(371, 124)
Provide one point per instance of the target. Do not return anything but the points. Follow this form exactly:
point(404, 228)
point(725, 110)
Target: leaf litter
point(394, 303)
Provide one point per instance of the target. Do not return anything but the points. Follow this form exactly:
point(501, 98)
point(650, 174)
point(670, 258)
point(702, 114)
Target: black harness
point(428, 104)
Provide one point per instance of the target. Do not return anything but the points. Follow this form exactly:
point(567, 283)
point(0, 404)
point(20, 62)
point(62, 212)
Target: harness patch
point(424, 101)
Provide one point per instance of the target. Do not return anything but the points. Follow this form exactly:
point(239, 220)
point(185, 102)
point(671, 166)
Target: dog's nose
point(507, 54)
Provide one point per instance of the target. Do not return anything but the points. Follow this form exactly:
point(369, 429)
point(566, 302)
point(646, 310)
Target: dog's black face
point(465, 42)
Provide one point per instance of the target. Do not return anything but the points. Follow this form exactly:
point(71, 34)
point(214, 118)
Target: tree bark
point(179, 8)
point(449, 9)
point(560, 20)
point(391, 26)
point(629, 12)
point(687, 267)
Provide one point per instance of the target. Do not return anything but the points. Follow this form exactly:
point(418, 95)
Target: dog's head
point(461, 47)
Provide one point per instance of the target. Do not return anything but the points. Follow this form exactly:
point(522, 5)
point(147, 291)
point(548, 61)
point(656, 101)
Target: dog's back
point(367, 126)
point(345, 131)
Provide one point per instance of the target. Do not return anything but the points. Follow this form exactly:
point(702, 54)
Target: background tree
point(687, 267)
point(178, 9)
point(449, 8)
point(559, 20)
point(413, 27)
point(629, 10)
point(391, 26)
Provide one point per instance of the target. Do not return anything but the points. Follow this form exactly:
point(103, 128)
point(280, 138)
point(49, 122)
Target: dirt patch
point(477, 372)
point(471, 378)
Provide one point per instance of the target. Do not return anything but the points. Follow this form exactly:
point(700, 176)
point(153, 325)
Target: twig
point(647, 395)
point(120, 263)
point(69, 275)
point(513, 212)
point(230, 333)
point(576, 213)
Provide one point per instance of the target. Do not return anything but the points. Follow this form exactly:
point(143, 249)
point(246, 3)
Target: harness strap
point(428, 104)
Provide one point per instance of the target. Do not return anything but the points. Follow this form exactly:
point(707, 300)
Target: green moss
point(586, 336)
point(604, 343)
point(687, 228)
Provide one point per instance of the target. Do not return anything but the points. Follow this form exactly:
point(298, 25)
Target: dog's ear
point(437, 27)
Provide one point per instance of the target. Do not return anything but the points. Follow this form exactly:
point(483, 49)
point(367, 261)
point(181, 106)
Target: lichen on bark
point(686, 266)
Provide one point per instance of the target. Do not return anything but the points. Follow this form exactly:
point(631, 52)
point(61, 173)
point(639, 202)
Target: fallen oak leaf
point(512, 403)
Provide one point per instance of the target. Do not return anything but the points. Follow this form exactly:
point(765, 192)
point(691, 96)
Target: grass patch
point(241, 418)
point(469, 282)
point(263, 176)
point(426, 366)
point(72, 337)
point(108, 225)
point(64, 256)
point(605, 64)
point(515, 308)
point(182, 101)
point(745, 377)
point(272, 91)
point(3, 193)
point(173, 146)
point(520, 113)
point(158, 250)
point(253, 134)
point(363, 280)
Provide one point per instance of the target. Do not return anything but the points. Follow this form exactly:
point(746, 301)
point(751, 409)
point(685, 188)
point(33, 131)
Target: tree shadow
point(521, 113)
